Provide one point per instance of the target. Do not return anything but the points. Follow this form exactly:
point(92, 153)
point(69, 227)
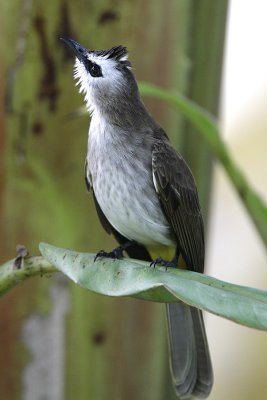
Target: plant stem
point(10, 276)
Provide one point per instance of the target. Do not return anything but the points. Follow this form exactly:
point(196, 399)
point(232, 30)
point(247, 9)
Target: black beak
point(77, 49)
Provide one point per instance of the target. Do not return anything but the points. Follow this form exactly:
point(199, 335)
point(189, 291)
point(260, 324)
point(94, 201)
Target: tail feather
point(190, 358)
point(205, 373)
point(189, 352)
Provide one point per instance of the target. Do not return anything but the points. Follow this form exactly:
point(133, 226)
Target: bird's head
point(104, 76)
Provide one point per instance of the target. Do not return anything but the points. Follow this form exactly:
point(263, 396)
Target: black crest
point(115, 53)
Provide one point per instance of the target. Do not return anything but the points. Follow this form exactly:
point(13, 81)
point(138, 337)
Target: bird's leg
point(167, 264)
point(115, 253)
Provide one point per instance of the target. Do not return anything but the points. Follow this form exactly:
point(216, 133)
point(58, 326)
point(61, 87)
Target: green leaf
point(208, 128)
point(127, 277)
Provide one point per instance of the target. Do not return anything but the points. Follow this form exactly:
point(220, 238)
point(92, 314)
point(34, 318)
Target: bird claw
point(101, 253)
point(116, 253)
point(167, 264)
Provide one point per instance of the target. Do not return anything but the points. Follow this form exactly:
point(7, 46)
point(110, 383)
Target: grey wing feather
point(177, 192)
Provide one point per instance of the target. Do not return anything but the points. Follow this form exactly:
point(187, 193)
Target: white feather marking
point(155, 182)
point(124, 58)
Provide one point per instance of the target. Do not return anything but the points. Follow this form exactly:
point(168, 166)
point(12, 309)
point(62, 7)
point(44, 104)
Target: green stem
point(10, 276)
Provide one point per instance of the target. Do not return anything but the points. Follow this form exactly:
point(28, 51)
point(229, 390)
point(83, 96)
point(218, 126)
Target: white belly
point(131, 212)
point(125, 192)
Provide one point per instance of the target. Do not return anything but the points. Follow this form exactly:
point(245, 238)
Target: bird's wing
point(175, 186)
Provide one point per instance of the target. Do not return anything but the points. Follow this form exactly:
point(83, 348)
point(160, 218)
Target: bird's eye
point(95, 70)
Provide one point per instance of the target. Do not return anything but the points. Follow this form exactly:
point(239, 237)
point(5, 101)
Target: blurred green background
point(57, 340)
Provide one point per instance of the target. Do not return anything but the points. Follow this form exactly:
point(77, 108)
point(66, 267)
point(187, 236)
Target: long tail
point(189, 352)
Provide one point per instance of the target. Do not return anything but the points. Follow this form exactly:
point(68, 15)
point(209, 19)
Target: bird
point(146, 196)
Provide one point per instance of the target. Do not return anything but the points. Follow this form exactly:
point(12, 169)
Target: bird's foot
point(116, 253)
point(164, 263)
